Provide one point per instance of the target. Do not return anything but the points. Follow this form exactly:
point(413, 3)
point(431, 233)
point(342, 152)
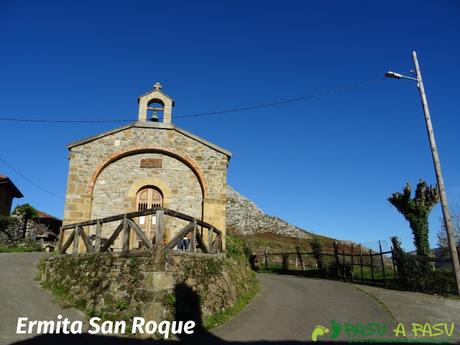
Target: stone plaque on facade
point(151, 163)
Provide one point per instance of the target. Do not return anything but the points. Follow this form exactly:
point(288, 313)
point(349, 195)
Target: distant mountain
point(244, 217)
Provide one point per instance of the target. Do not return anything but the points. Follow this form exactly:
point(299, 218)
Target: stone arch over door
point(133, 150)
point(155, 182)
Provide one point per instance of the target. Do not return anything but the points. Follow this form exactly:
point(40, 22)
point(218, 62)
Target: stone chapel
point(147, 163)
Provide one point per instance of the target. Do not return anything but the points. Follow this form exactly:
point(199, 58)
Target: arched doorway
point(147, 197)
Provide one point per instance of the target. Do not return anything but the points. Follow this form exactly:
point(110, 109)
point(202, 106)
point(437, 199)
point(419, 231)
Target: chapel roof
point(156, 125)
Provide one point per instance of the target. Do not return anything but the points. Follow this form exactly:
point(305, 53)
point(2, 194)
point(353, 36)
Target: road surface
point(287, 308)
point(22, 296)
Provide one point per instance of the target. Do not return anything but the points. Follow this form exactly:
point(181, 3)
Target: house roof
point(158, 125)
point(15, 190)
point(43, 215)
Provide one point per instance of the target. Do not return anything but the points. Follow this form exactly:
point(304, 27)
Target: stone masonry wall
point(114, 287)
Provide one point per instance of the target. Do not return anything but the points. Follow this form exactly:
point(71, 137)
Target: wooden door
point(148, 197)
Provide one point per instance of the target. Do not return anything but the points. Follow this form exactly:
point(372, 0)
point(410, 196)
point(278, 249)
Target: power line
point(292, 100)
point(12, 119)
point(345, 89)
point(29, 180)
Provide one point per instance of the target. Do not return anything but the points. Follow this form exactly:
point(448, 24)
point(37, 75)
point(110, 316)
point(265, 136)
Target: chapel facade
point(147, 163)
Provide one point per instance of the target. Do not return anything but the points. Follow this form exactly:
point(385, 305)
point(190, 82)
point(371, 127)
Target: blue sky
point(326, 164)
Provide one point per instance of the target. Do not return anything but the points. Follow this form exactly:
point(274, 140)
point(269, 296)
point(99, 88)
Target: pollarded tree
point(416, 211)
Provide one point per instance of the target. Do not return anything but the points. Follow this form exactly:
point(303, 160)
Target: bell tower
point(155, 103)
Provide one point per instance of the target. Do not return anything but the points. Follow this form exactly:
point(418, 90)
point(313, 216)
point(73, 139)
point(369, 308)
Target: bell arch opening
point(155, 110)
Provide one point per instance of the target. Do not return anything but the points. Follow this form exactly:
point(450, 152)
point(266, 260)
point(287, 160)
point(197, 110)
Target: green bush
point(29, 211)
point(237, 249)
point(416, 276)
point(317, 248)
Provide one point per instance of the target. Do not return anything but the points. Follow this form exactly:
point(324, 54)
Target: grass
point(378, 274)
point(19, 249)
point(226, 314)
point(61, 296)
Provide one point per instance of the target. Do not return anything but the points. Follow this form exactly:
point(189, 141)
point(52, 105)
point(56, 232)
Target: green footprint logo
point(319, 330)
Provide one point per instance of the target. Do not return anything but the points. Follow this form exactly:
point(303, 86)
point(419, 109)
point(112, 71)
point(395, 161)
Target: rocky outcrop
point(244, 217)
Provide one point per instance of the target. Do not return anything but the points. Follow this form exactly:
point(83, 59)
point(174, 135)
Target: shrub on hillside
point(414, 275)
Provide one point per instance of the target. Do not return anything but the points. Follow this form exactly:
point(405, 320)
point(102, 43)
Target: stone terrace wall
point(114, 287)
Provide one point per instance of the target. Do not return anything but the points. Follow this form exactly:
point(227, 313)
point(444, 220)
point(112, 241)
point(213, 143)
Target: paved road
point(21, 295)
point(288, 308)
point(408, 307)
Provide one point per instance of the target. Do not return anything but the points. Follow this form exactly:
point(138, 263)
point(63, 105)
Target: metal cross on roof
point(157, 86)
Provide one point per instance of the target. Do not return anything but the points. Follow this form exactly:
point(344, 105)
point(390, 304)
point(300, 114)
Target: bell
point(154, 117)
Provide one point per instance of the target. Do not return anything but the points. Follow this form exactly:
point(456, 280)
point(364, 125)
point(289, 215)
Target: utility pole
point(437, 168)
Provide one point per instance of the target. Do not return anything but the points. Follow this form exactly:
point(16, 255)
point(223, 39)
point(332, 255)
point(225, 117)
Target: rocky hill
point(244, 218)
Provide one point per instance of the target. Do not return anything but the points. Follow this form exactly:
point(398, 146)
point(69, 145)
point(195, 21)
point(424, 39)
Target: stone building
point(148, 162)
point(8, 191)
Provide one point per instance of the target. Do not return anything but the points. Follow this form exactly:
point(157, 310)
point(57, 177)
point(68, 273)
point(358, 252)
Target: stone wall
point(118, 287)
point(104, 170)
point(30, 231)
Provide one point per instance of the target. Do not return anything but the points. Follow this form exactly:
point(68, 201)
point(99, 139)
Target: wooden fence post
point(61, 240)
point(361, 261)
point(337, 259)
point(343, 265)
point(372, 266)
point(284, 261)
point(352, 275)
point(266, 259)
point(300, 258)
point(210, 239)
point(97, 243)
point(395, 271)
point(75, 241)
point(193, 240)
point(159, 228)
point(383, 264)
point(125, 238)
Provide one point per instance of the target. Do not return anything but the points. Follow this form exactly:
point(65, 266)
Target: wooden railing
point(195, 228)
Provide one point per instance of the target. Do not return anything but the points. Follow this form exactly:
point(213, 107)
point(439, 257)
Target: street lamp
point(437, 167)
point(395, 75)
